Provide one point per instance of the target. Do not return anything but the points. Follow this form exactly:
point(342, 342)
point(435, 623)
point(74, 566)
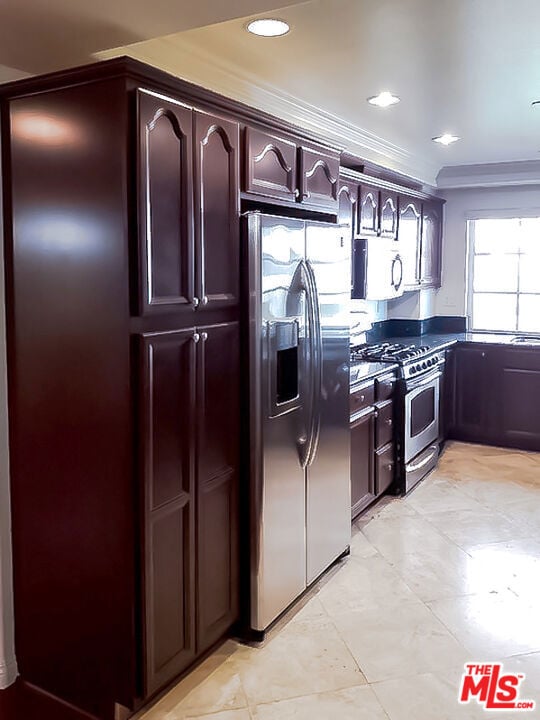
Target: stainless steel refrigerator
point(299, 290)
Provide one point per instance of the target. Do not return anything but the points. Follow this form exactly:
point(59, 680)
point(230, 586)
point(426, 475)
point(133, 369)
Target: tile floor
point(448, 575)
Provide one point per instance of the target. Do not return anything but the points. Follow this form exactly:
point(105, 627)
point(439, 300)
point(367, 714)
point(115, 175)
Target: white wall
point(460, 204)
point(417, 305)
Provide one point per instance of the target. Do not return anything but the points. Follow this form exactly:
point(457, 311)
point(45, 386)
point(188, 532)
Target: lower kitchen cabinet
point(517, 385)
point(447, 403)
point(475, 421)
point(384, 468)
point(362, 461)
point(188, 431)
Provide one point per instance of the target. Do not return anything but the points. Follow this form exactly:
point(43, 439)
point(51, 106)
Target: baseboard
point(23, 701)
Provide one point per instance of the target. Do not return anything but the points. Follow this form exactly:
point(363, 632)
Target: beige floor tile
point(364, 583)
point(469, 527)
point(226, 715)
point(497, 493)
point(427, 696)
point(304, 658)
point(525, 514)
point(406, 641)
point(437, 493)
point(361, 547)
point(359, 703)
point(396, 537)
point(529, 665)
point(491, 625)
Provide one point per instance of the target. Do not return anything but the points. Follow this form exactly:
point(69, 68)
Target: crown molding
point(200, 66)
point(521, 172)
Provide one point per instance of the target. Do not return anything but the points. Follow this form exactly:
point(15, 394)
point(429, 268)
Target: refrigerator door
point(279, 377)
point(328, 504)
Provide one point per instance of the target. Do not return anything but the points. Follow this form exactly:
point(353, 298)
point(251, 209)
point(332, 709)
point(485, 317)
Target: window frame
point(512, 214)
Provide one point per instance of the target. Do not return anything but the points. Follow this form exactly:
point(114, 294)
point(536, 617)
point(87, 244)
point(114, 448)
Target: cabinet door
point(362, 462)
point(518, 403)
point(430, 257)
point(167, 441)
point(389, 214)
point(270, 168)
point(319, 172)
point(368, 211)
point(165, 208)
point(409, 236)
point(447, 402)
point(347, 202)
point(217, 480)
point(474, 418)
point(217, 216)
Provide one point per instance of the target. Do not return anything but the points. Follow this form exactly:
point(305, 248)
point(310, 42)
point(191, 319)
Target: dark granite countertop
point(363, 370)
point(439, 341)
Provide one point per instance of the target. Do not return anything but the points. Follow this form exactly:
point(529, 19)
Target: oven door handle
point(422, 463)
point(426, 381)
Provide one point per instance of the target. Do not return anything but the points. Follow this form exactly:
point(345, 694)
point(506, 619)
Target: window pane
point(496, 236)
point(530, 236)
point(529, 273)
point(529, 313)
point(495, 273)
point(494, 312)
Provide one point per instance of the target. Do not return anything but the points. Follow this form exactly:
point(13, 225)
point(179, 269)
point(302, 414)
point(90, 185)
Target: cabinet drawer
point(384, 426)
point(384, 468)
point(362, 398)
point(384, 387)
point(270, 165)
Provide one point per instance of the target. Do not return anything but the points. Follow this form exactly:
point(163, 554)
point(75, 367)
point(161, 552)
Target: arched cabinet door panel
point(319, 175)
point(368, 211)
point(165, 207)
point(347, 204)
point(430, 256)
point(389, 214)
point(270, 167)
point(409, 237)
point(217, 216)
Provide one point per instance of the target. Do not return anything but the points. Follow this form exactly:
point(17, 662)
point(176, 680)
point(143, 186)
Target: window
point(504, 282)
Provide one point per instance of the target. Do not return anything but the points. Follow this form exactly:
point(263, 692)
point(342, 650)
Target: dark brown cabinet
point(475, 392)
point(188, 207)
point(368, 211)
point(517, 386)
point(389, 214)
point(270, 165)
point(430, 253)
point(447, 401)
point(319, 176)
point(410, 236)
point(362, 461)
point(130, 267)
point(372, 440)
point(282, 169)
point(347, 204)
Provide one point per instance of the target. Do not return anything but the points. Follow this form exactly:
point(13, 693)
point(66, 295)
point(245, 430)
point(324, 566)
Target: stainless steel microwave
point(377, 272)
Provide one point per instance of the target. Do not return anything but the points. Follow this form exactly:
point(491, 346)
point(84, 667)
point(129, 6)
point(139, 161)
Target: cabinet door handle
point(204, 300)
point(196, 337)
point(483, 354)
point(297, 193)
point(389, 422)
point(195, 302)
point(390, 466)
point(204, 336)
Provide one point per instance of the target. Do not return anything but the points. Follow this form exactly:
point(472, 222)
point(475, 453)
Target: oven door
point(421, 414)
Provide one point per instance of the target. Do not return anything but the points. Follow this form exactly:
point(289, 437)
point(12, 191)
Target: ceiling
point(470, 67)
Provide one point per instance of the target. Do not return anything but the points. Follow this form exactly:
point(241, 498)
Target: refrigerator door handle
point(316, 364)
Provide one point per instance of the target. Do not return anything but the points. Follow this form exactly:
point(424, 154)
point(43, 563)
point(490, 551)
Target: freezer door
point(328, 505)
point(278, 361)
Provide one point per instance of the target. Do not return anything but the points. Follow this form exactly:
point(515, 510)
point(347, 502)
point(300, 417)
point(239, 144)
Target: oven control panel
point(423, 366)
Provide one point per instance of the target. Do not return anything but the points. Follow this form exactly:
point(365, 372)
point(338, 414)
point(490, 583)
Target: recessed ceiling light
point(446, 139)
point(268, 27)
point(383, 99)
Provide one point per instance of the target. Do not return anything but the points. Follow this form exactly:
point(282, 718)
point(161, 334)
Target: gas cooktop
point(412, 359)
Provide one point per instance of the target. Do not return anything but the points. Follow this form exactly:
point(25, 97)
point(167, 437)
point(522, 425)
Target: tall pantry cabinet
point(122, 264)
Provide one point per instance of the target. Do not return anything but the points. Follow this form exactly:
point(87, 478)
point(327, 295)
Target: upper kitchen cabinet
point(188, 207)
point(319, 176)
point(347, 204)
point(283, 169)
point(165, 181)
point(368, 210)
point(270, 165)
point(217, 211)
point(389, 214)
point(430, 254)
point(410, 235)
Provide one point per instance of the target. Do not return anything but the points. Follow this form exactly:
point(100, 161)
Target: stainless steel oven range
point(417, 421)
